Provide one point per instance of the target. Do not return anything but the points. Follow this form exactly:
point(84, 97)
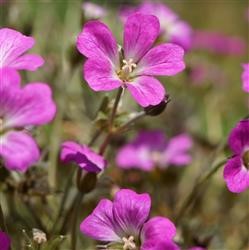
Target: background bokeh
point(205, 109)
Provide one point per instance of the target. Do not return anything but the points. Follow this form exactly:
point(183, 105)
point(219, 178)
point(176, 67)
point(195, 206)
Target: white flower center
point(129, 243)
point(126, 69)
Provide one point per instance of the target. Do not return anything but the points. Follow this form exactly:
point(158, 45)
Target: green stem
point(74, 220)
point(192, 195)
point(115, 106)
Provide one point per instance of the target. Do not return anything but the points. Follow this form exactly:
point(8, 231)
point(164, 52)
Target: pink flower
point(218, 43)
point(132, 67)
point(4, 241)
point(93, 11)
point(151, 149)
point(173, 29)
point(20, 109)
point(245, 77)
point(236, 171)
point(83, 156)
point(124, 224)
point(13, 45)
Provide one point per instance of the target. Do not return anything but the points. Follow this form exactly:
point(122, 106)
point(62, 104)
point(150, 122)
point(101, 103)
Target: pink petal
point(32, 105)
point(239, 137)
point(97, 41)
point(140, 33)
point(146, 91)
point(158, 229)
point(100, 224)
point(132, 157)
point(165, 59)
point(131, 210)
point(236, 175)
point(12, 46)
point(4, 241)
point(18, 150)
point(28, 62)
point(176, 152)
point(245, 77)
point(100, 74)
point(162, 245)
point(83, 156)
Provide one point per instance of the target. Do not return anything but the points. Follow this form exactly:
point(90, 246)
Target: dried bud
point(39, 236)
point(157, 109)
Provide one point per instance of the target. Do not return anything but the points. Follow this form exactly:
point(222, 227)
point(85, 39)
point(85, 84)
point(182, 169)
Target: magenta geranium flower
point(20, 109)
point(236, 171)
point(4, 241)
point(173, 29)
point(83, 156)
point(151, 148)
point(13, 46)
point(124, 223)
point(109, 67)
point(245, 77)
point(218, 43)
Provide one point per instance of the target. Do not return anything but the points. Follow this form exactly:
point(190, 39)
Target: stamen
point(129, 243)
point(129, 65)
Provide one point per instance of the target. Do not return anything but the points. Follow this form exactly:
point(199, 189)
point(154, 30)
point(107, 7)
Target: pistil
point(129, 243)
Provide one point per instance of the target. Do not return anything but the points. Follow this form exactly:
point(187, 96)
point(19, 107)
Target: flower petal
point(132, 157)
point(163, 245)
point(176, 152)
point(4, 241)
point(83, 156)
point(158, 229)
point(28, 62)
point(146, 90)
point(18, 150)
point(236, 175)
point(100, 75)
point(97, 41)
point(239, 137)
point(140, 33)
point(131, 210)
point(165, 59)
point(12, 45)
point(32, 105)
point(100, 224)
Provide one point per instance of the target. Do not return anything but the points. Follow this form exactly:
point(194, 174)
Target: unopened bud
point(157, 109)
point(86, 182)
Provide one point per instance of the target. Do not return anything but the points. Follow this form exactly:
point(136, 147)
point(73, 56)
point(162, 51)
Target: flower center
point(1, 125)
point(245, 158)
point(156, 156)
point(129, 243)
point(127, 67)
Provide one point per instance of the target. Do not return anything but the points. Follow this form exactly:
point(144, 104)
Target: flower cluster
point(21, 108)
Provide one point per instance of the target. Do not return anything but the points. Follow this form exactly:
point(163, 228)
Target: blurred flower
point(236, 171)
point(151, 149)
point(245, 77)
point(13, 45)
point(173, 29)
point(4, 241)
point(83, 156)
point(218, 43)
point(21, 108)
point(133, 67)
point(39, 236)
point(93, 11)
point(124, 224)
